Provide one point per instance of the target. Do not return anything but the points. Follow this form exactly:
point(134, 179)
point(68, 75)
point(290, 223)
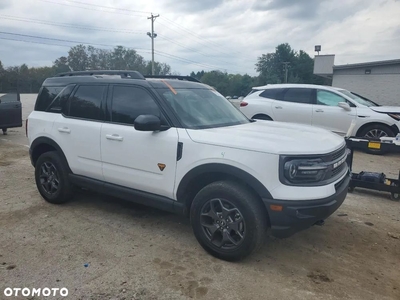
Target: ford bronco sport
point(178, 145)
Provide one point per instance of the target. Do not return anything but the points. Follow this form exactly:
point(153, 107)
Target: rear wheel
point(51, 176)
point(262, 117)
point(228, 221)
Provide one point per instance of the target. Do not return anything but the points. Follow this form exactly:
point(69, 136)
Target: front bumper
point(298, 215)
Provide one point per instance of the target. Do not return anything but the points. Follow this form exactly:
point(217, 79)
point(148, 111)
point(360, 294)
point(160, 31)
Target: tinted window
point(46, 96)
point(328, 98)
point(271, 93)
point(298, 95)
point(129, 102)
point(86, 102)
point(60, 101)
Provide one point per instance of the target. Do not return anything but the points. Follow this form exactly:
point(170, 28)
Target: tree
point(78, 58)
point(61, 64)
point(271, 67)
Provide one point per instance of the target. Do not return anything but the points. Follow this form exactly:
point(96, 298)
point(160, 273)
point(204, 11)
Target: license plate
point(374, 145)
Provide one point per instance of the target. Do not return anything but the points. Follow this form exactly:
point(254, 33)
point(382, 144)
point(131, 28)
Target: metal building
point(378, 80)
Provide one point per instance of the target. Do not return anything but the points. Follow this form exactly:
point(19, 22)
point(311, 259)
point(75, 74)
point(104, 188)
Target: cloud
point(5, 4)
point(194, 35)
point(292, 8)
point(190, 6)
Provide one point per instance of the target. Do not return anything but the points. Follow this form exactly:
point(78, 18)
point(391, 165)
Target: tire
point(247, 216)
point(262, 117)
point(51, 176)
point(380, 130)
point(395, 196)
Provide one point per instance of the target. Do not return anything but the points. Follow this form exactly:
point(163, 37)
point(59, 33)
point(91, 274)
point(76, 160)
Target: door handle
point(278, 107)
point(64, 129)
point(114, 137)
point(319, 110)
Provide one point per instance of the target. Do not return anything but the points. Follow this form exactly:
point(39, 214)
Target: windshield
point(202, 108)
point(359, 99)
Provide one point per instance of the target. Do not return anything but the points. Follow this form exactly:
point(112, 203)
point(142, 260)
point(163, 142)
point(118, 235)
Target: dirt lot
point(134, 252)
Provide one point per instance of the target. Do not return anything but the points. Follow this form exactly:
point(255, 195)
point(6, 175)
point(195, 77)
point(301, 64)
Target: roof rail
point(122, 73)
point(187, 78)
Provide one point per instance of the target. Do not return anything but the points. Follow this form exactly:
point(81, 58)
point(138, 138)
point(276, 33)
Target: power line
point(37, 21)
point(59, 40)
point(195, 34)
point(93, 8)
point(161, 53)
point(29, 20)
point(121, 11)
point(108, 7)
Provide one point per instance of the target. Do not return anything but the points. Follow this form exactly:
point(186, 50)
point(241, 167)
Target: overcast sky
point(193, 35)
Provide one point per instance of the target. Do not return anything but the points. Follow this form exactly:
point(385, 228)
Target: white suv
point(178, 145)
point(328, 107)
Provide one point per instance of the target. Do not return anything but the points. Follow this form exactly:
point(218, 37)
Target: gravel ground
point(103, 248)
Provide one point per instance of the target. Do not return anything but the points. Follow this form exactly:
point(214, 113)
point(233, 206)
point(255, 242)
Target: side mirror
point(344, 105)
point(147, 123)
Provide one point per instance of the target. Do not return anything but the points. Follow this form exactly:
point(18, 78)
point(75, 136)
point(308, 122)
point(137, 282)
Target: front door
point(294, 105)
point(10, 111)
point(327, 114)
point(144, 161)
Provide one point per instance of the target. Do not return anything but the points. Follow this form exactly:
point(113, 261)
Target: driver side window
point(329, 98)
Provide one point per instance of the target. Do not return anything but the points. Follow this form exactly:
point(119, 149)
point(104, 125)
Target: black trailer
point(373, 180)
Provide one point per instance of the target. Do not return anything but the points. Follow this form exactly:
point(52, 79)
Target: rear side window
point(129, 102)
point(271, 93)
point(298, 95)
point(60, 101)
point(46, 96)
point(86, 102)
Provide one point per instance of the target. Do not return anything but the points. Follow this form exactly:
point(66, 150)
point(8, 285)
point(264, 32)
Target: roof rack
point(123, 74)
point(187, 78)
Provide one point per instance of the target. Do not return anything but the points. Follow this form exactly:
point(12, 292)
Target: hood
point(386, 109)
point(271, 137)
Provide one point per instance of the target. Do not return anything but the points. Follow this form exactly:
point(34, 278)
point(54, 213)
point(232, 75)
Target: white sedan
point(323, 106)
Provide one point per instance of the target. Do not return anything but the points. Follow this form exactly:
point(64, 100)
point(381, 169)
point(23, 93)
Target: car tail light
point(26, 127)
point(243, 103)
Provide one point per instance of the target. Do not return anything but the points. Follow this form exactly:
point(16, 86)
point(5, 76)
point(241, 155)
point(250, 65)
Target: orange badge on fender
point(161, 166)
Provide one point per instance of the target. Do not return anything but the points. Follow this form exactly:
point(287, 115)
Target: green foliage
point(271, 67)
point(80, 58)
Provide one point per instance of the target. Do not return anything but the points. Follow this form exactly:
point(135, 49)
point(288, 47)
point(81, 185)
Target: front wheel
point(375, 132)
point(228, 220)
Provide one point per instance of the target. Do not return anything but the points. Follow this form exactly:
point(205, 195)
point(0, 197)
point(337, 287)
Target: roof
point(295, 85)
point(122, 77)
point(368, 64)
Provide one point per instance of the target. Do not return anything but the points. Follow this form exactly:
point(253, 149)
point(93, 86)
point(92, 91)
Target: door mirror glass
point(344, 105)
point(147, 123)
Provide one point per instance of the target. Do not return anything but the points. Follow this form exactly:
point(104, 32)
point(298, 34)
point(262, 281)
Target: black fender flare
point(47, 141)
point(231, 171)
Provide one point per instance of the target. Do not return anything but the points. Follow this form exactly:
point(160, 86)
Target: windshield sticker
point(170, 87)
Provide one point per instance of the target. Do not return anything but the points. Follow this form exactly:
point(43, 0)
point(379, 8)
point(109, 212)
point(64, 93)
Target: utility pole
point(286, 64)
point(152, 35)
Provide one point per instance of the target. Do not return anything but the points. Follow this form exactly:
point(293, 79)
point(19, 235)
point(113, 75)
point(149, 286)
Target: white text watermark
point(27, 292)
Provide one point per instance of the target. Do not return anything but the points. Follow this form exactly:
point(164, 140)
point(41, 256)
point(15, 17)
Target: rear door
point(77, 129)
point(294, 105)
point(10, 111)
point(327, 114)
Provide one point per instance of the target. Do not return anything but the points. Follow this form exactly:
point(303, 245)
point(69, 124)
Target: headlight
point(298, 171)
point(395, 116)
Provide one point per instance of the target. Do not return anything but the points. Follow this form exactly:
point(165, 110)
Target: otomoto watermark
point(40, 292)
